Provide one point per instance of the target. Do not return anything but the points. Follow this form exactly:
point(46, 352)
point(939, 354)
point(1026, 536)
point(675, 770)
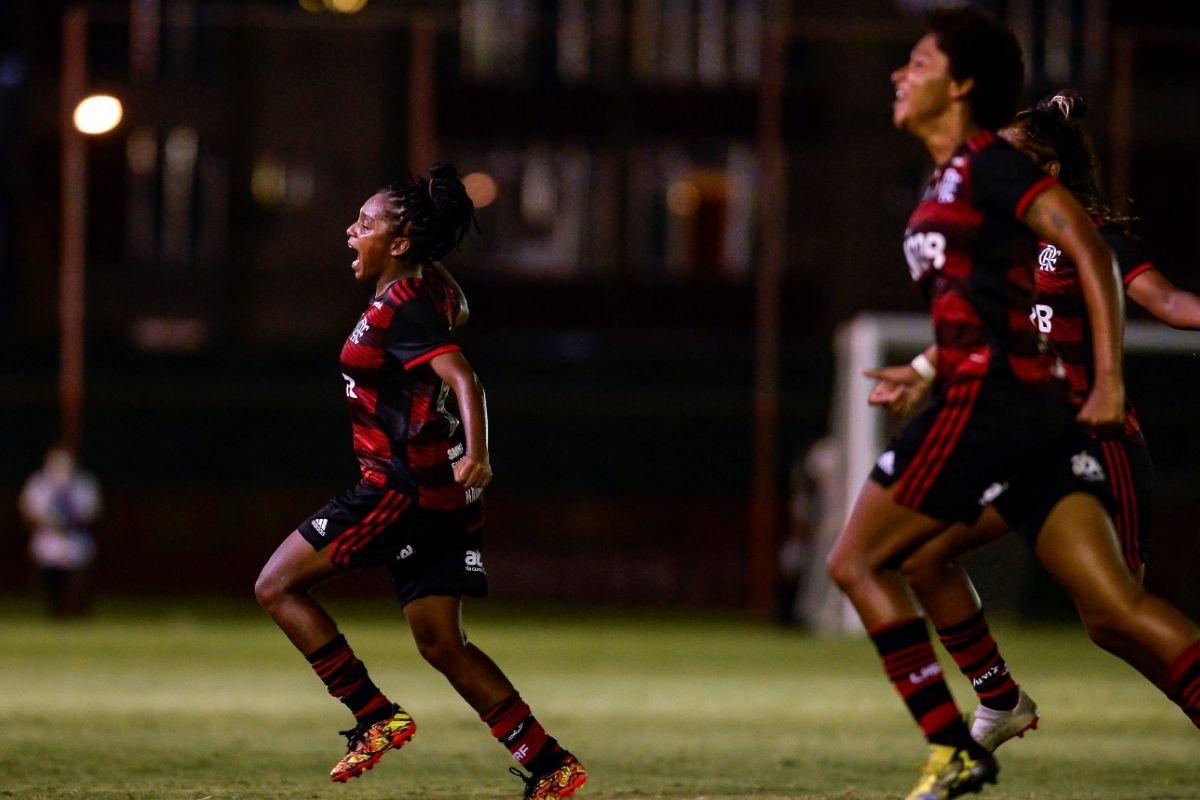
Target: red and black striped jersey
point(973, 259)
point(1061, 314)
point(406, 433)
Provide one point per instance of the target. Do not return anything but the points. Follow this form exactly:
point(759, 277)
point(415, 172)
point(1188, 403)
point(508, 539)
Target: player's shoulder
point(988, 151)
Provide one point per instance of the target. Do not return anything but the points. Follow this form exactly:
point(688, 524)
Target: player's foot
point(563, 781)
point(366, 744)
point(950, 772)
point(993, 728)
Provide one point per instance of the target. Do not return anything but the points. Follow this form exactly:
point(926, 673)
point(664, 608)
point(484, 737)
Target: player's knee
point(441, 652)
point(268, 590)
point(1110, 626)
point(845, 568)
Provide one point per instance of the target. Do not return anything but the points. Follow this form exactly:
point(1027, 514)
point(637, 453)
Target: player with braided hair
point(1053, 135)
point(420, 436)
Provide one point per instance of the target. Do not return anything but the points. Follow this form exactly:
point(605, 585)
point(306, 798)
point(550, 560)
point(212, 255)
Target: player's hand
point(472, 472)
point(898, 388)
point(1104, 409)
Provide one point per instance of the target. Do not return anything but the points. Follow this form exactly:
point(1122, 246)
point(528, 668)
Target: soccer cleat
point(950, 772)
point(993, 728)
point(366, 743)
point(561, 782)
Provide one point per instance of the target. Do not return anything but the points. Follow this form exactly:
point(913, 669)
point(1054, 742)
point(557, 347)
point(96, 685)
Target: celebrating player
point(969, 245)
point(1116, 469)
point(420, 436)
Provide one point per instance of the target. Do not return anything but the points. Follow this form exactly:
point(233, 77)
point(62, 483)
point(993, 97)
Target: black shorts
point(1116, 471)
point(426, 552)
point(956, 456)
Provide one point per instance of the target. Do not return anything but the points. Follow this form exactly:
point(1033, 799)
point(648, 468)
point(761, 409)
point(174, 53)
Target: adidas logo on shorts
point(1085, 466)
point(319, 525)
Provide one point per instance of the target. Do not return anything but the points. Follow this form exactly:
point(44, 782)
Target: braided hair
point(1053, 130)
point(434, 213)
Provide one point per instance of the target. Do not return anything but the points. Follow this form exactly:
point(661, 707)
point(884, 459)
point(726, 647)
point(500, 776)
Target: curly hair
point(981, 48)
point(434, 213)
point(1053, 130)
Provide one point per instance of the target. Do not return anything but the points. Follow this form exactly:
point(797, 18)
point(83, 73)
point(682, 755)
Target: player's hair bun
point(1068, 104)
point(453, 210)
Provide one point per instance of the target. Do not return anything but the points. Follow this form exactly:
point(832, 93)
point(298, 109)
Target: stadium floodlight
point(97, 114)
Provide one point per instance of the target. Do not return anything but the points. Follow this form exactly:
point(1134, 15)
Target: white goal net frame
point(858, 432)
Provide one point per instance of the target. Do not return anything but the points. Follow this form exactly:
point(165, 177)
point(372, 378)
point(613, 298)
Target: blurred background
point(680, 202)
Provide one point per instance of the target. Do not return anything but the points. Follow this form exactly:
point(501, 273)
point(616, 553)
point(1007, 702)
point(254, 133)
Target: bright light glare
point(346, 6)
point(481, 188)
point(99, 113)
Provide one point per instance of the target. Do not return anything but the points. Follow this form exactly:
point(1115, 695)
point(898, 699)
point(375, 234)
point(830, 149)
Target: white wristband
point(924, 368)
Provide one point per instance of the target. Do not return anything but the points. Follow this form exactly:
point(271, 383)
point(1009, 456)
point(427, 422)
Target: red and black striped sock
point(346, 679)
point(972, 647)
point(1185, 682)
point(515, 727)
point(912, 667)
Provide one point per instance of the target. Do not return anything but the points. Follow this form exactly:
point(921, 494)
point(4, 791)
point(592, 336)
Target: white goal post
point(858, 431)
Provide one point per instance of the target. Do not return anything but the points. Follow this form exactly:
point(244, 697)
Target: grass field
point(210, 702)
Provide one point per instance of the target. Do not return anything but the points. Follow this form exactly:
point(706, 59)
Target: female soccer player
point(1053, 136)
point(420, 435)
point(969, 245)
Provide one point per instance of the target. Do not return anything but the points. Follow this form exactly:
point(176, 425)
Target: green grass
point(211, 702)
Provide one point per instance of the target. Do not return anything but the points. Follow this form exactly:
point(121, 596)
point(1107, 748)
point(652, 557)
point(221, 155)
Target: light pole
point(79, 116)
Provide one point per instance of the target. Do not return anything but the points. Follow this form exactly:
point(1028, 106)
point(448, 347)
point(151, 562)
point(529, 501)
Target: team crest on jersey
point(1048, 258)
point(1085, 466)
point(948, 186)
point(360, 330)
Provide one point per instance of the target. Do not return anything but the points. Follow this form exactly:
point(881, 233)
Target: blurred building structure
point(616, 150)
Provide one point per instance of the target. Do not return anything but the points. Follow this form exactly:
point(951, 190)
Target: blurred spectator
point(59, 502)
point(809, 503)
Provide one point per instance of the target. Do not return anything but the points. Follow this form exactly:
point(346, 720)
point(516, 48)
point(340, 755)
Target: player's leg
point(944, 466)
point(1130, 476)
point(436, 623)
point(283, 587)
point(283, 590)
point(878, 535)
point(945, 591)
point(1078, 546)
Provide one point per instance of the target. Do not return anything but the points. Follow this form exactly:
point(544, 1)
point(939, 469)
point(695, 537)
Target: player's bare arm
point(1168, 303)
point(1056, 216)
point(474, 470)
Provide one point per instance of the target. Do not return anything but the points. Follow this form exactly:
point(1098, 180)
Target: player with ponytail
point(420, 436)
point(1052, 133)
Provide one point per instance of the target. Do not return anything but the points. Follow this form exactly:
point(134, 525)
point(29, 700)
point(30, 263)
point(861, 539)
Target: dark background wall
point(615, 335)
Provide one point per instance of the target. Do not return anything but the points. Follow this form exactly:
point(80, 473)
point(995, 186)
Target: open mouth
point(357, 259)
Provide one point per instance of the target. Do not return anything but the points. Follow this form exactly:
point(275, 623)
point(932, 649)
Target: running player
point(420, 435)
point(969, 245)
point(1052, 134)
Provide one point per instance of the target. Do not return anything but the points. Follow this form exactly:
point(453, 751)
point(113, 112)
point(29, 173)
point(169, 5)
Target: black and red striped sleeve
point(1131, 259)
